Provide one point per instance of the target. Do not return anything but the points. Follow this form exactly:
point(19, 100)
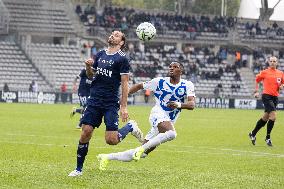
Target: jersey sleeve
point(282, 80)
point(124, 66)
point(190, 89)
point(152, 84)
point(259, 77)
point(82, 73)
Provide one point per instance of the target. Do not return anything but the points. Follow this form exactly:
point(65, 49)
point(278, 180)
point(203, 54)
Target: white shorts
point(157, 116)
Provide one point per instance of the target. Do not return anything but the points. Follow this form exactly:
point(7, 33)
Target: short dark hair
point(180, 64)
point(123, 38)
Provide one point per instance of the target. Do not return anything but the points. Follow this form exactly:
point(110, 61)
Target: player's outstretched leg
point(125, 156)
point(103, 161)
point(157, 140)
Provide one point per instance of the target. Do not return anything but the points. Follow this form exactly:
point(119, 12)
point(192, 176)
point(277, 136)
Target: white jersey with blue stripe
point(164, 91)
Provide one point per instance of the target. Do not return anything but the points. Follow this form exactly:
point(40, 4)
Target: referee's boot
point(268, 142)
point(252, 138)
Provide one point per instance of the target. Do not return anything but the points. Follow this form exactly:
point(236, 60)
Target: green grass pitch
point(38, 146)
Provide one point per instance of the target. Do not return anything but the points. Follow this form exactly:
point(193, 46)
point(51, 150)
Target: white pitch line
point(170, 145)
point(228, 149)
point(255, 154)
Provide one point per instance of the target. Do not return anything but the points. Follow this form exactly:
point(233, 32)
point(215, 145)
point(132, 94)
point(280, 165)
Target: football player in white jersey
point(171, 94)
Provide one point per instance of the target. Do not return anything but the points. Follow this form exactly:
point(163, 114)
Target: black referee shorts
point(270, 102)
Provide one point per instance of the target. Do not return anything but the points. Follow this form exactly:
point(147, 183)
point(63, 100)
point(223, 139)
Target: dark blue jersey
point(105, 87)
point(85, 84)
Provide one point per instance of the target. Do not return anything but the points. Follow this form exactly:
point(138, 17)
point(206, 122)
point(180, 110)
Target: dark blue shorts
point(93, 116)
point(83, 101)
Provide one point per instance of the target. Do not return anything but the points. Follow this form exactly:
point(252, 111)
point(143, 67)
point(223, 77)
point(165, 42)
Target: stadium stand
point(169, 25)
point(16, 70)
point(58, 63)
point(207, 70)
point(38, 16)
point(259, 32)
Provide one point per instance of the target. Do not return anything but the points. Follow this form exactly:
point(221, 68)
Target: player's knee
point(112, 141)
point(86, 132)
point(171, 135)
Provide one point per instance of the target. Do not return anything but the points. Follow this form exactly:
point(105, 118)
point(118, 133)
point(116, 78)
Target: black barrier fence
point(52, 98)
point(233, 103)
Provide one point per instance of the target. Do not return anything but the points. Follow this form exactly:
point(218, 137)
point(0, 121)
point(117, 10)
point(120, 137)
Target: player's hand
point(124, 114)
point(172, 104)
point(280, 87)
point(256, 95)
point(89, 62)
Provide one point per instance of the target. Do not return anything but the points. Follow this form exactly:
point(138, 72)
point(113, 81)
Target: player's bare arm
point(135, 88)
point(189, 105)
point(256, 93)
point(124, 95)
point(89, 68)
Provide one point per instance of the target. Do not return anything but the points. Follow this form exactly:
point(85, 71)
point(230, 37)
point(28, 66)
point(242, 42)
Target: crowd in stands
point(199, 62)
point(254, 29)
point(124, 18)
point(261, 56)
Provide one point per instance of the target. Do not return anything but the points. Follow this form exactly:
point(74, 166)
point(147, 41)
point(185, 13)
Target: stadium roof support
point(252, 9)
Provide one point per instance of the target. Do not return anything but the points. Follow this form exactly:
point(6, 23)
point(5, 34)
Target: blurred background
point(222, 43)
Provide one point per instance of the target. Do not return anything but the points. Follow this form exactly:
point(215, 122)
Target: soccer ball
point(146, 31)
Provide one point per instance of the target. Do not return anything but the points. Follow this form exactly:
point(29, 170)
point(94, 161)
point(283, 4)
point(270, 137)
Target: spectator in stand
point(244, 59)
point(63, 90)
point(78, 9)
point(275, 25)
point(238, 59)
point(220, 71)
point(31, 87)
point(6, 87)
point(237, 76)
point(35, 86)
point(233, 88)
point(217, 92)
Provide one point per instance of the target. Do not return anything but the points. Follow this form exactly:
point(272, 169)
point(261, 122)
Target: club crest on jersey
point(278, 80)
point(111, 62)
point(180, 91)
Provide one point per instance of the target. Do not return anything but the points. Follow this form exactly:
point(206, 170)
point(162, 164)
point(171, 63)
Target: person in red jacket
point(272, 80)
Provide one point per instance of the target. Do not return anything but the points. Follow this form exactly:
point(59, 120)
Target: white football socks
point(127, 156)
point(159, 139)
point(121, 156)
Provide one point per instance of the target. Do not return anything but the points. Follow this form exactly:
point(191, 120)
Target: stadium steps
point(248, 78)
point(48, 84)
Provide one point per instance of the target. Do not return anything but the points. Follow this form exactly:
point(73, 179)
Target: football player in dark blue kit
point(110, 70)
point(83, 93)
